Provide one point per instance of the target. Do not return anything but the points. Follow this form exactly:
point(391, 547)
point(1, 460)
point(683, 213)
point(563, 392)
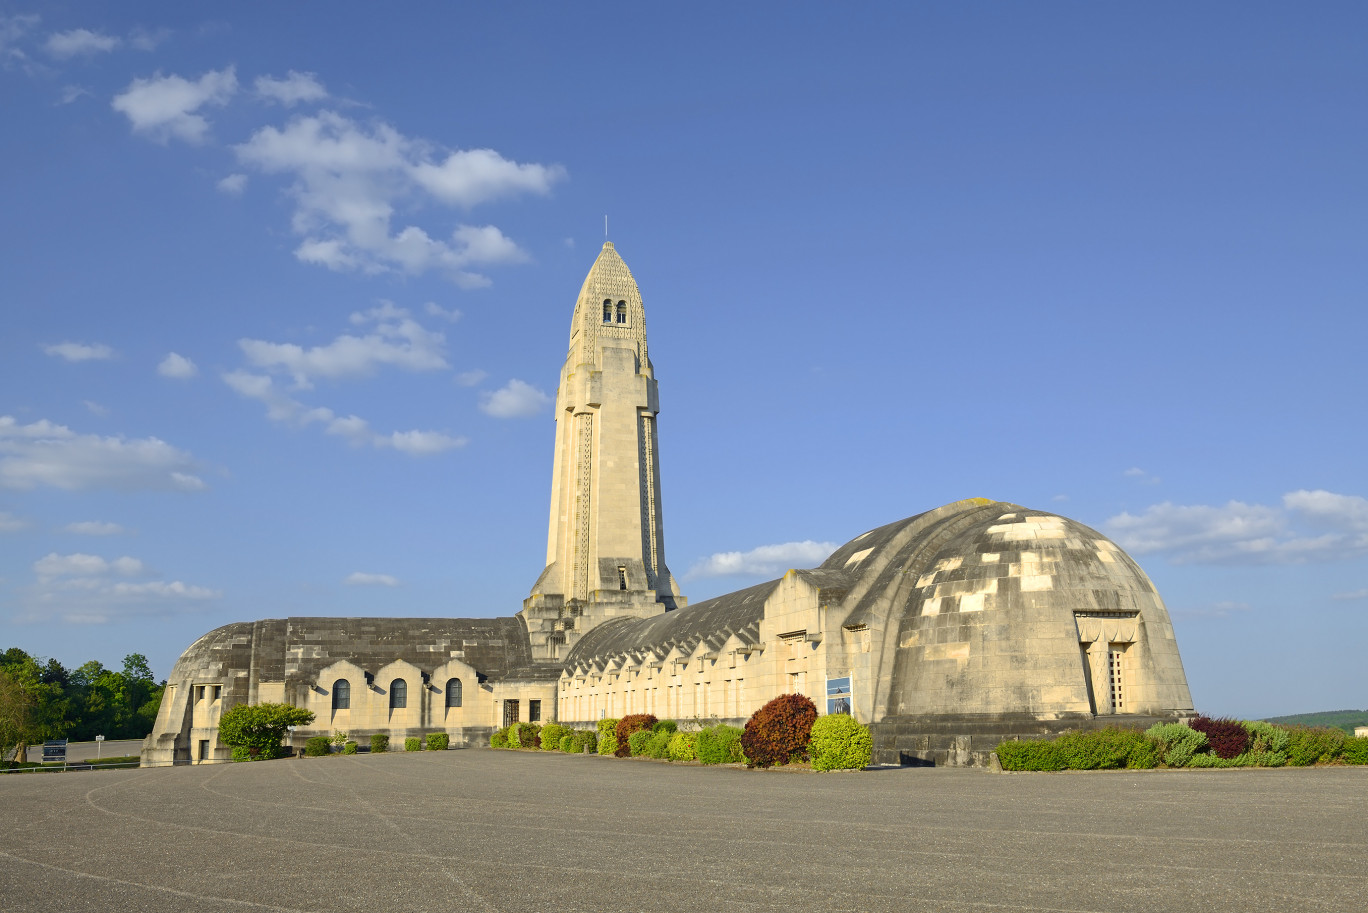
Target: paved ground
point(506, 831)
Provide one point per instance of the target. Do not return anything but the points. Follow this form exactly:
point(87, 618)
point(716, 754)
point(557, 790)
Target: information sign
point(54, 751)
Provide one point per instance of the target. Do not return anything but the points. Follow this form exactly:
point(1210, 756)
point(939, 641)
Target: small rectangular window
point(622, 312)
point(533, 711)
point(607, 312)
point(622, 577)
point(217, 692)
point(199, 692)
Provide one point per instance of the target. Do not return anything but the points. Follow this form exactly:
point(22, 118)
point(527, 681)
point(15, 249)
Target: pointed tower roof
point(611, 286)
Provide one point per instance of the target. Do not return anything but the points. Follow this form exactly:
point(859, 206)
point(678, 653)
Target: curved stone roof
point(298, 649)
point(713, 620)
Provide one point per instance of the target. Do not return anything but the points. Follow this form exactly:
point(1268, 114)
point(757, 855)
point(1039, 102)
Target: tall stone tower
point(605, 549)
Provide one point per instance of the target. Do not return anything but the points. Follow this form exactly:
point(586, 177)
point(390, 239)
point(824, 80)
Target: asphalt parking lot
point(505, 831)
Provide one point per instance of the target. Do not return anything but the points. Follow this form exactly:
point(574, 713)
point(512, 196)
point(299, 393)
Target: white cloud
point(436, 310)
point(1309, 526)
point(293, 89)
point(95, 408)
point(1223, 609)
point(396, 340)
point(87, 589)
point(13, 29)
point(177, 366)
point(79, 351)
point(72, 93)
point(233, 184)
point(1060, 498)
point(350, 177)
point(9, 523)
point(94, 528)
point(1353, 594)
point(355, 429)
point(360, 579)
point(44, 453)
point(141, 39)
point(516, 399)
point(166, 106)
point(1140, 475)
point(472, 176)
point(82, 565)
point(471, 378)
point(420, 443)
point(764, 561)
point(79, 42)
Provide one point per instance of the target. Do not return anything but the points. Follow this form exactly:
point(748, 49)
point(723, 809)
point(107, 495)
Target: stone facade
point(945, 632)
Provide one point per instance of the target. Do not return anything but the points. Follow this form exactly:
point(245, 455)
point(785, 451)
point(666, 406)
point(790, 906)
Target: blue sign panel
point(54, 751)
point(838, 695)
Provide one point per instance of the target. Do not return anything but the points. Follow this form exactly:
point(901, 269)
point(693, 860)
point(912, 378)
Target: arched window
point(398, 694)
point(607, 311)
point(453, 692)
point(622, 312)
point(341, 694)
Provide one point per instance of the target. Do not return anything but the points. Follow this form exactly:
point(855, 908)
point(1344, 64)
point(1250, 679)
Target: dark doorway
point(510, 712)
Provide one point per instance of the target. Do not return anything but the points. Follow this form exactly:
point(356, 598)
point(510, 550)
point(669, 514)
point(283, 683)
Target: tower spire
point(605, 547)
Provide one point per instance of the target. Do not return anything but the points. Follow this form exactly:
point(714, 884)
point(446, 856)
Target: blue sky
point(286, 293)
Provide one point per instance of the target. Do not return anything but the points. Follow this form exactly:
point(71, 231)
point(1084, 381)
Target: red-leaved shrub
point(779, 731)
point(628, 725)
point(1228, 738)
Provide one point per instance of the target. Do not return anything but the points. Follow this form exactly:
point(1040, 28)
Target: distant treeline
point(1337, 719)
point(42, 699)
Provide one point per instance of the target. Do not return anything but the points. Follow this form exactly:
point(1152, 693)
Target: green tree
point(16, 712)
point(259, 727)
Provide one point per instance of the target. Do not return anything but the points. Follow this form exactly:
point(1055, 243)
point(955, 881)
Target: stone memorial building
point(946, 631)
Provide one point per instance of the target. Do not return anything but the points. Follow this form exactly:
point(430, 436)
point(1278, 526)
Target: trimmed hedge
point(669, 726)
point(379, 743)
point(658, 745)
point(779, 731)
point(1355, 750)
point(637, 742)
point(1313, 745)
point(567, 743)
point(1033, 754)
point(720, 744)
point(349, 747)
point(551, 735)
point(1102, 749)
point(524, 735)
point(413, 743)
point(629, 724)
point(1178, 742)
point(838, 742)
point(1227, 738)
point(499, 739)
point(682, 746)
point(438, 741)
point(318, 746)
point(607, 736)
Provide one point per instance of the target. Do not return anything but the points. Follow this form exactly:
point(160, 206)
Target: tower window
point(341, 694)
point(622, 312)
point(607, 311)
point(622, 577)
point(1116, 671)
point(453, 692)
point(398, 694)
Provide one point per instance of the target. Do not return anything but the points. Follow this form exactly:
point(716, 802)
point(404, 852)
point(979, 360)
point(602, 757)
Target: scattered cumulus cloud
point(13, 30)
point(73, 93)
point(79, 351)
point(82, 565)
point(1060, 498)
point(46, 454)
point(471, 378)
point(764, 561)
point(233, 184)
point(349, 178)
point(80, 43)
point(1141, 476)
point(94, 528)
point(95, 408)
point(292, 89)
point(1352, 594)
point(1306, 527)
point(90, 589)
point(360, 579)
point(167, 107)
point(9, 523)
point(177, 366)
point(421, 443)
point(436, 310)
point(395, 339)
point(516, 399)
point(143, 39)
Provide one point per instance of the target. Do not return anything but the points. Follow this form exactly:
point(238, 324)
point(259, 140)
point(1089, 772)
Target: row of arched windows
point(609, 311)
point(398, 694)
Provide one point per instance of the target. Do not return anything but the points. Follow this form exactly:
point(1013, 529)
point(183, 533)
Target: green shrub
point(583, 738)
point(551, 736)
point(1145, 754)
point(681, 746)
point(669, 726)
point(606, 726)
point(438, 741)
point(349, 747)
point(499, 738)
point(524, 735)
point(779, 731)
point(658, 746)
point(720, 744)
point(637, 741)
point(379, 743)
point(1215, 760)
point(1178, 742)
point(240, 753)
point(1099, 749)
point(567, 743)
point(629, 724)
point(318, 746)
point(1033, 754)
point(1228, 738)
point(1355, 750)
point(413, 743)
point(1313, 745)
point(260, 727)
point(607, 744)
point(840, 743)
